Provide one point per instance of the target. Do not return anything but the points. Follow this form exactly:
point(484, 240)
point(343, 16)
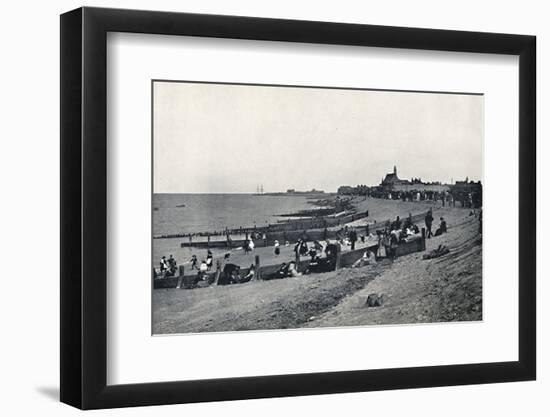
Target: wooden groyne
point(283, 226)
point(267, 272)
point(292, 236)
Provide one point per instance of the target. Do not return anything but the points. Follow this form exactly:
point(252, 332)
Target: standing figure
point(396, 224)
point(297, 247)
point(209, 260)
point(172, 265)
point(163, 265)
point(353, 238)
point(277, 250)
point(429, 220)
point(194, 262)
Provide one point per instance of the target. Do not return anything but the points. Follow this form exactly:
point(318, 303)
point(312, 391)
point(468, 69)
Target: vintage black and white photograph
point(284, 207)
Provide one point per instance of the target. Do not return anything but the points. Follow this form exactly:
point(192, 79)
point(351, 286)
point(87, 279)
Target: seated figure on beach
point(318, 247)
point(248, 277)
point(292, 271)
point(282, 272)
point(201, 274)
point(368, 258)
point(442, 227)
point(396, 235)
point(312, 253)
point(328, 263)
point(203, 268)
point(229, 274)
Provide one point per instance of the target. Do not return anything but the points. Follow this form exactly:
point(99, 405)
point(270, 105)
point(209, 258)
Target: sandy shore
point(443, 289)
point(379, 211)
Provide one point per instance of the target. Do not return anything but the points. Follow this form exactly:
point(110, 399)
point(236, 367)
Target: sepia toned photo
point(290, 207)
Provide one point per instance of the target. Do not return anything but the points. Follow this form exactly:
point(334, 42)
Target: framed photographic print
point(258, 207)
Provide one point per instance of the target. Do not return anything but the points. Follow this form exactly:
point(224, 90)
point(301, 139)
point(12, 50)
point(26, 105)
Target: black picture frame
point(84, 207)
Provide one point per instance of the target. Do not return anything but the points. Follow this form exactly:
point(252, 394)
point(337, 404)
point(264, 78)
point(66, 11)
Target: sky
point(227, 138)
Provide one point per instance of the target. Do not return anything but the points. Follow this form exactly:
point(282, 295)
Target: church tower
point(395, 170)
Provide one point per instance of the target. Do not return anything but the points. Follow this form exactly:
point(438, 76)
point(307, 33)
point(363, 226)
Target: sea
point(195, 213)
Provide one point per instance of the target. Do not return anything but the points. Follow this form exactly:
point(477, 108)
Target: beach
point(448, 288)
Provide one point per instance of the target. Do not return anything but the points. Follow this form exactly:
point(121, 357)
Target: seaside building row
point(468, 193)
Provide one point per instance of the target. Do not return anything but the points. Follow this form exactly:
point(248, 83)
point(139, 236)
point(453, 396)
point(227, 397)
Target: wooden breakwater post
point(338, 257)
point(218, 272)
point(423, 238)
point(257, 267)
point(181, 271)
point(208, 241)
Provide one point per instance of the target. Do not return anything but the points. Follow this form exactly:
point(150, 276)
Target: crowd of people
point(168, 267)
point(388, 239)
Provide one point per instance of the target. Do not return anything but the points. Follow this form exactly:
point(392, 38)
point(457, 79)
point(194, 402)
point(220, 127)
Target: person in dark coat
point(303, 248)
point(442, 227)
point(396, 224)
point(429, 220)
point(230, 271)
point(297, 247)
point(353, 238)
point(194, 261)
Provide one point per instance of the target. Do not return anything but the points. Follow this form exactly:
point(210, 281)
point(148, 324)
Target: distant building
point(346, 190)
point(467, 193)
point(392, 183)
point(392, 179)
point(313, 191)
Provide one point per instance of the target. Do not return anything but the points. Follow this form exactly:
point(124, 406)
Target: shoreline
point(417, 291)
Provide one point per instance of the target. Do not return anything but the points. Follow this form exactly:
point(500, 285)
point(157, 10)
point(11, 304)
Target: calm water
point(213, 212)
